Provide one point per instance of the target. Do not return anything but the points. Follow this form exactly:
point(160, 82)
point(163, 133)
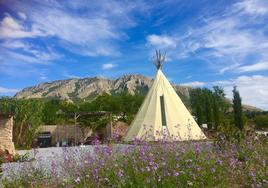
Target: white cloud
point(256, 7)
point(4, 90)
point(22, 15)
point(224, 38)
point(43, 77)
point(11, 28)
point(14, 44)
point(90, 29)
point(28, 54)
point(32, 35)
point(75, 29)
point(253, 89)
point(161, 41)
point(194, 84)
point(254, 67)
point(23, 58)
point(108, 66)
point(229, 68)
point(222, 41)
point(87, 36)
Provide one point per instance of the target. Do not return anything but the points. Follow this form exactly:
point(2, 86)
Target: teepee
point(162, 115)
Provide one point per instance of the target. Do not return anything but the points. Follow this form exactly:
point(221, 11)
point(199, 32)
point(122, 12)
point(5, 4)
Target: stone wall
point(6, 130)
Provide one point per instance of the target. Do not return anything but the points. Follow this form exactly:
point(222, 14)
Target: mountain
point(88, 88)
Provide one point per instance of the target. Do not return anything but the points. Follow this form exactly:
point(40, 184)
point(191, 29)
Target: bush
point(261, 121)
point(22, 158)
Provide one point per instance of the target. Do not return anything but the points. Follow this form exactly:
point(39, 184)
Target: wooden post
point(111, 126)
point(75, 120)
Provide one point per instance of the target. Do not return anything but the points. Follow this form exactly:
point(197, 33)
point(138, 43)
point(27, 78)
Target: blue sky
point(207, 42)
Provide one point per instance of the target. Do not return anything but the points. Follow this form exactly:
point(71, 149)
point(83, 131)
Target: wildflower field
point(162, 164)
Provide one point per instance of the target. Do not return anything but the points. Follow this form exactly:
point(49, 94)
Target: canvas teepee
point(162, 115)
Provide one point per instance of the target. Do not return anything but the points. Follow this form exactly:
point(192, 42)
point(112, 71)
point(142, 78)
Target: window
point(163, 112)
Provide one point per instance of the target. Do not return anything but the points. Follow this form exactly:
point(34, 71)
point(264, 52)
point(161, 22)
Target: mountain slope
point(73, 89)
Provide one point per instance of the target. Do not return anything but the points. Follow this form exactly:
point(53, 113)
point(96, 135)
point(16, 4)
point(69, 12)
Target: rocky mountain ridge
point(85, 88)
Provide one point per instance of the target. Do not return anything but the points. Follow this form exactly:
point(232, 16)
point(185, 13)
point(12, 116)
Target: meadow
point(218, 163)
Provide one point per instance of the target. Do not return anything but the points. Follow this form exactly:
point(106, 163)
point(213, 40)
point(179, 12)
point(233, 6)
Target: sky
point(208, 42)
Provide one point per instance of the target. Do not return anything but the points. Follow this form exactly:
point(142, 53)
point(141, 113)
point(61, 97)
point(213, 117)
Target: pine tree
point(237, 107)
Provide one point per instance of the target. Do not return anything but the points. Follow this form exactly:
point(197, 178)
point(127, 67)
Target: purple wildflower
point(120, 173)
point(77, 180)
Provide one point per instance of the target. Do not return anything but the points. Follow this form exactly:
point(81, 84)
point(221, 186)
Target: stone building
point(6, 132)
point(65, 133)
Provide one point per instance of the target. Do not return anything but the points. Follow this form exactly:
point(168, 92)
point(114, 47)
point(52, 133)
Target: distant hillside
point(89, 88)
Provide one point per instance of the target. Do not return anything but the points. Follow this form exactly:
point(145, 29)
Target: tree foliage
point(258, 118)
point(29, 114)
point(239, 119)
point(123, 105)
point(209, 106)
point(261, 121)
point(27, 117)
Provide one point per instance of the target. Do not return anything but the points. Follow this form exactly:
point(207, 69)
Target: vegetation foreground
point(186, 164)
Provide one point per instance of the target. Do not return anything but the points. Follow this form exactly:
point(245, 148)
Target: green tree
point(50, 116)
point(122, 104)
point(7, 105)
point(128, 105)
point(28, 117)
point(209, 106)
point(220, 106)
point(196, 101)
point(208, 98)
point(237, 108)
point(261, 121)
